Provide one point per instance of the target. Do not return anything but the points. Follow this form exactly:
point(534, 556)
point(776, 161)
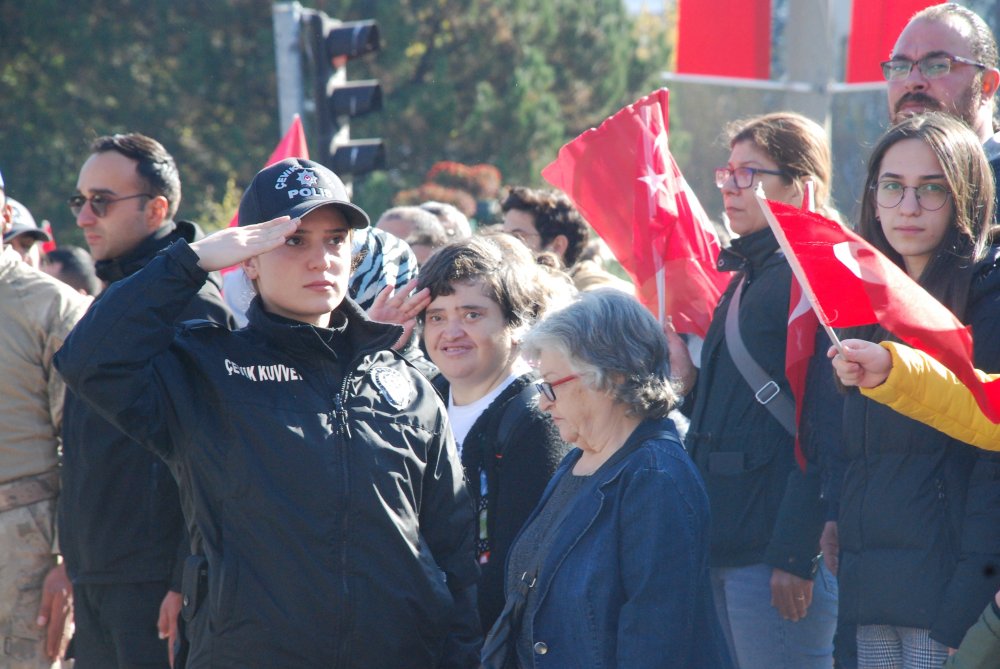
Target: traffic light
point(330, 44)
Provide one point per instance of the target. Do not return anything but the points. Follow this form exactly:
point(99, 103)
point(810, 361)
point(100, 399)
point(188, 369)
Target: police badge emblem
point(394, 386)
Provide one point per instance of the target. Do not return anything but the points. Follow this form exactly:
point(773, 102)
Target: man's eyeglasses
point(99, 203)
point(930, 197)
point(547, 389)
point(742, 176)
point(931, 67)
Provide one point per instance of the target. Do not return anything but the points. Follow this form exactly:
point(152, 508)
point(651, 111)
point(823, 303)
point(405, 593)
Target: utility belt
point(28, 490)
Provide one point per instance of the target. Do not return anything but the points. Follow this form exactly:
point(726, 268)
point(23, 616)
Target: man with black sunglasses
point(946, 60)
point(121, 530)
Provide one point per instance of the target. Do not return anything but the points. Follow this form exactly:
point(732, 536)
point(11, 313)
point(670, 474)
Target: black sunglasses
point(99, 203)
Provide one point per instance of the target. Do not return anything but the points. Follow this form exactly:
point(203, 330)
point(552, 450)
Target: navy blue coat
point(626, 582)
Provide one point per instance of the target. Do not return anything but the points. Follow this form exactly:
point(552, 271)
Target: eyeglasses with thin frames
point(547, 388)
point(743, 177)
point(930, 196)
point(932, 66)
point(99, 202)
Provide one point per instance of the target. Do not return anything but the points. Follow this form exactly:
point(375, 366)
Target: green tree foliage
point(198, 76)
point(505, 82)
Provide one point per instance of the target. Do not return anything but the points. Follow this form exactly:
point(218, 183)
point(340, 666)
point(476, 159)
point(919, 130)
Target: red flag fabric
point(800, 341)
point(292, 145)
point(875, 26)
point(624, 181)
point(727, 38)
point(854, 284)
point(51, 244)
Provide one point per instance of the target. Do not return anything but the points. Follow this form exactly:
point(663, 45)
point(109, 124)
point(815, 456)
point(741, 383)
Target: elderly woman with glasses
point(919, 524)
point(611, 568)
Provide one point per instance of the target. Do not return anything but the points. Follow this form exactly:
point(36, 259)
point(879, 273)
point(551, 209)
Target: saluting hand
point(400, 307)
point(228, 247)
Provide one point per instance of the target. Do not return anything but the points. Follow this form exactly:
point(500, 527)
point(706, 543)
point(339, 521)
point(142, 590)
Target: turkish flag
point(624, 181)
point(800, 342)
point(292, 145)
point(49, 245)
point(854, 284)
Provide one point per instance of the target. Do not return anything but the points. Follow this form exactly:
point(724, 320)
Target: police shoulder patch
point(395, 387)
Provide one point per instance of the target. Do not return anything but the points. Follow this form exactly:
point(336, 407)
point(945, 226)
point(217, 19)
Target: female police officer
point(318, 467)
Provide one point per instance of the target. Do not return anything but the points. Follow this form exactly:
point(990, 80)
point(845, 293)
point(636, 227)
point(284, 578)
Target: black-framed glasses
point(932, 67)
point(930, 196)
point(743, 177)
point(99, 202)
point(548, 389)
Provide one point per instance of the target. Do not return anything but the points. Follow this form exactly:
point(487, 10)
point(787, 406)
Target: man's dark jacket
point(120, 519)
point(326, 487)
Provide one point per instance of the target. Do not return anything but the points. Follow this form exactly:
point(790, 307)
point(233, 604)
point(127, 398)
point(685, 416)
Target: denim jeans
point(759, 638)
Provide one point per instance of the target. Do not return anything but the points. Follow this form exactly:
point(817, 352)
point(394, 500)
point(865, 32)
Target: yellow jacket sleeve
point(921, 388)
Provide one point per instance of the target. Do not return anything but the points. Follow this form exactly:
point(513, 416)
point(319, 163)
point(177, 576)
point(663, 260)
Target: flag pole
point(793, 262)
point(661, 287)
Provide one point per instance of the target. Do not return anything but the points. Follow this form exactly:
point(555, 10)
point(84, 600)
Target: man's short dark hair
point(155, 167)
point(77, 268)
point(554, 215)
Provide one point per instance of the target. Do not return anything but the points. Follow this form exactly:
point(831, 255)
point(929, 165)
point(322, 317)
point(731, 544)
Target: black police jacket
point(765, 509)
point(324, 478)
point(920, 512)
point(119, 516)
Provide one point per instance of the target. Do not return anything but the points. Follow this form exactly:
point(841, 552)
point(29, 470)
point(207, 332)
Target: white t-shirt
point(464, 417)
point(992, 147)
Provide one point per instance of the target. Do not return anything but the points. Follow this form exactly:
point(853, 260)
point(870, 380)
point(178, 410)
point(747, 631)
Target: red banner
point(875, 27)
point(727, 38)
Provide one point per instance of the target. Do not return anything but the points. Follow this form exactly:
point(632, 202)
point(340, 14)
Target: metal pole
point(288, 60)
point(810, 54)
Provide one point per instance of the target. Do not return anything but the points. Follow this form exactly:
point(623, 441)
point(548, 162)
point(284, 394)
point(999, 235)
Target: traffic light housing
point(331, 44)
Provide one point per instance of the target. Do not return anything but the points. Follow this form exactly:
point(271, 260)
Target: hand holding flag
point(850, 283)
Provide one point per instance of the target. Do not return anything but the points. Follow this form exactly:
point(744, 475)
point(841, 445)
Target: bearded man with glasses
point(946, 60)
point(121, 530)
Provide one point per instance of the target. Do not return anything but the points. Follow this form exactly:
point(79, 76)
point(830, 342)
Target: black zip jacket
point(120, 520)
point(920, 512)
point(764, 508)
point(514, 446)
point(325, 483)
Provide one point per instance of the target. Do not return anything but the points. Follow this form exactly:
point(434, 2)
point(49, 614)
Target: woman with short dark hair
point(485, 293)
